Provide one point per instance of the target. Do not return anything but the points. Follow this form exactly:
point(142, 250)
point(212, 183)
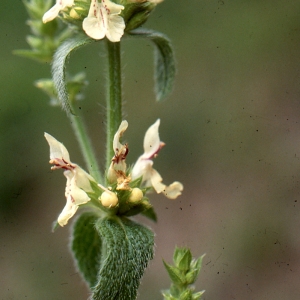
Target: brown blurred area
point(232, 134)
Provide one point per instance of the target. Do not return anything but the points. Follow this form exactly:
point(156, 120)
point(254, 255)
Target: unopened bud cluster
point(122, 201)
point(44, 38)
point(183, 274)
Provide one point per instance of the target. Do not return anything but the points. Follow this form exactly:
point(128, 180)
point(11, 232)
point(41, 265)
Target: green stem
point(85, 146)
point(114, 97)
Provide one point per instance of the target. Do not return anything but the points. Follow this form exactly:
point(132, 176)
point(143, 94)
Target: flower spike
point(78, 181)
point(103, 20)
point(53, 12)
point(143, 166)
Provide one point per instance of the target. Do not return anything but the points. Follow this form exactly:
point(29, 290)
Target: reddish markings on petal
point(102, 18)
point(155, 154)
point(120, 154)
point(60, 163)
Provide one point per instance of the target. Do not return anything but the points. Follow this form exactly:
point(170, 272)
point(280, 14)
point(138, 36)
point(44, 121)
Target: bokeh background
point(232, 130)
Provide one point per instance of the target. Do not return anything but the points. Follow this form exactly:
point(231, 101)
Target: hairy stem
point(85, 146)
point(114, 97)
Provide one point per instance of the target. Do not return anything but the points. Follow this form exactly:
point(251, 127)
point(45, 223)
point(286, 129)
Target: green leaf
point(59, 65)
point(35, 55)
point(175, 274)
point(129, 247)
point(150, 213)
point(55, 225)
point(164, 61)
point(86, 247)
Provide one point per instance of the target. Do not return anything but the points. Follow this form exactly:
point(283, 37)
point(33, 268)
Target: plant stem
point(114, 97)
point(85, 146)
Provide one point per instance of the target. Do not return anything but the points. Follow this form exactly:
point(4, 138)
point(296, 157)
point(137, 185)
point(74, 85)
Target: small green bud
point(75, 85)
point(34, 42)
point(182, 258)
point(191, 276)
point(197, 296)
point(176, 275)
point(175, 290)
point(194, 271)
point(47, 86)
point(196, 265)
point(168, 296)
point(136, 13)
point(186, 295)
point(146, 204)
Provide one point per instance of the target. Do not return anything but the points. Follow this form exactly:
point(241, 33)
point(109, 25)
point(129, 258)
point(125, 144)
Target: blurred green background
point(232, 130)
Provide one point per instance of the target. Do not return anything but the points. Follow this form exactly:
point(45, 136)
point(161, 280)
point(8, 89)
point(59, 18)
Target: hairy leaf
point(86, 247)
point(129, 247)
point(164, 72)
point(59, 66)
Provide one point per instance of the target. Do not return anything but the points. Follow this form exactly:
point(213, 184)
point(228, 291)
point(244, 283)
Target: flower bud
point(136, 13)
point(182, 258)
point(108, 199)
point(136, 195)
point(73, 14)
point(76, 13)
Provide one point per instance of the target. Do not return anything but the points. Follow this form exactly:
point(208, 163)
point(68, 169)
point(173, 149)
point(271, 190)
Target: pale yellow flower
point(144, 165)
point(104, 20)
point(117, 168)
point(78, 181)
